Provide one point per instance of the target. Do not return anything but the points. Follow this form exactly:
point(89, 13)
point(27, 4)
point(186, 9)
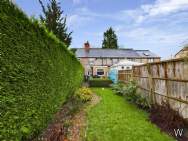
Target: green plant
point(37, 74)
point(84, 94)
point(110, 39)
point(129, 91)
point(131, 88)
point(97, 82)
point(119, 88)
point(133, 96)
point(55, 21)
point(143, 102)
point(98, 78)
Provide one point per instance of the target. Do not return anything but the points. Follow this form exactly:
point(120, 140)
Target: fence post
point(166, 82)
point(151, 84)
point(133, 74)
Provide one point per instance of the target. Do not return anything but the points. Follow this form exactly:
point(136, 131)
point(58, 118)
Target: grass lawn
point(114, 119)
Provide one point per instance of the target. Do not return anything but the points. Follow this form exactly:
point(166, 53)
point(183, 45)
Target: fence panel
point(165, 81)
point(125, 75)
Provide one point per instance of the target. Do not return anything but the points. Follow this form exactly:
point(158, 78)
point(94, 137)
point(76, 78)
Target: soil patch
point(69, 123)
point(169, 121)
point(79, 121)
point(57, 130)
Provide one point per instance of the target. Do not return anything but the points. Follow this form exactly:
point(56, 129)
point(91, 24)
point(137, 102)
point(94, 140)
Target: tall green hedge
point(37, 73)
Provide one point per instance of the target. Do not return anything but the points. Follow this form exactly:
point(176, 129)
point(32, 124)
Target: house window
point(131, 59)
point(150, 60)
point(100, 72)
point(115, 61)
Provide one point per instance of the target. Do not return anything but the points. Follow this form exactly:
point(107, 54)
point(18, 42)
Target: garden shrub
point(142, 102)
point(99, 82)
point(129, 91)
point(133, 96)
point(84, 94)
point(119, 88)
point(37, 74)
point(124, 89)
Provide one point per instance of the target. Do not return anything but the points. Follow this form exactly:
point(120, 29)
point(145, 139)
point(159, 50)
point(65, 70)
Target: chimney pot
point(87, 46)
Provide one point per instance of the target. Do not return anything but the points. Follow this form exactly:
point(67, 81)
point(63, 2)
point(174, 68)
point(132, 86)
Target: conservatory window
point(128, 68)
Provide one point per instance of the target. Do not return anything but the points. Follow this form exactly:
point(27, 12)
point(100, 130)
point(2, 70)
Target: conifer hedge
point(37, 73)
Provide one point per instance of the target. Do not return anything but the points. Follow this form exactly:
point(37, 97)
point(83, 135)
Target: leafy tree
point(54, 21)
point(73, 50)
point(110, 39)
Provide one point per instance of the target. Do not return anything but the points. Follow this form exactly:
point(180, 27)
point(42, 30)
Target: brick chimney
point(87, 46)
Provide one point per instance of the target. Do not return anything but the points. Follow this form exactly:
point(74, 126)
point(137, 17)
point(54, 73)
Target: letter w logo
point(178, 132)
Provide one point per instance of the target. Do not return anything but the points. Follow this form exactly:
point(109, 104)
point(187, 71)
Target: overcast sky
point(158, 25)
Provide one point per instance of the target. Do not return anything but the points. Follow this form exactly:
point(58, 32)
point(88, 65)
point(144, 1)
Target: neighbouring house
point(97, 61)
point(182, 53)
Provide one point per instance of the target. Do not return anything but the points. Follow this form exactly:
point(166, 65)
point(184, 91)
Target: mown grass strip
point(114, 119)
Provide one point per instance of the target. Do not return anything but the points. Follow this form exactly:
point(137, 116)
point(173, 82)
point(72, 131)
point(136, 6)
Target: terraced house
point(97, 61)
point(183, 52)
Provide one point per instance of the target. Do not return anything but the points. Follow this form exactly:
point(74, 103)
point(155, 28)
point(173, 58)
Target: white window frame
point(100, 69)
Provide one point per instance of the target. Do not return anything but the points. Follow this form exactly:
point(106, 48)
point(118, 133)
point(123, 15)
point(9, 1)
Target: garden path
point(79, 121)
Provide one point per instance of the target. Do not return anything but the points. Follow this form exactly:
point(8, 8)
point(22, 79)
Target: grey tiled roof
point(114, 53)
point(146, 53)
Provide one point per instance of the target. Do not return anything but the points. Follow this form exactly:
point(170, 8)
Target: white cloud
point(160, 41)
point(161, 7)
point(165, 7)
point(158, 9)
point(153, 35)
point(78, 20)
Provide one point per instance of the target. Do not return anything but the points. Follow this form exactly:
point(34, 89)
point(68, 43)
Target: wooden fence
point(125, 75)
point(165, 81)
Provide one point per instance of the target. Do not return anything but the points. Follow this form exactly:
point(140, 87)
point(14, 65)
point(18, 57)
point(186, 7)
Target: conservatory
point(122, 65)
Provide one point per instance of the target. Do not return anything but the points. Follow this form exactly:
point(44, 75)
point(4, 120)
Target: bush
point(142, 102)
point(37, 74)
point(124, 89)
point(98, 82)
point(84, 94)
point(129, 91)
point(119, 88)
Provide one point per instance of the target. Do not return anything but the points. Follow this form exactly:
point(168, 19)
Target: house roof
point(114, 53)
point(185, 48)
